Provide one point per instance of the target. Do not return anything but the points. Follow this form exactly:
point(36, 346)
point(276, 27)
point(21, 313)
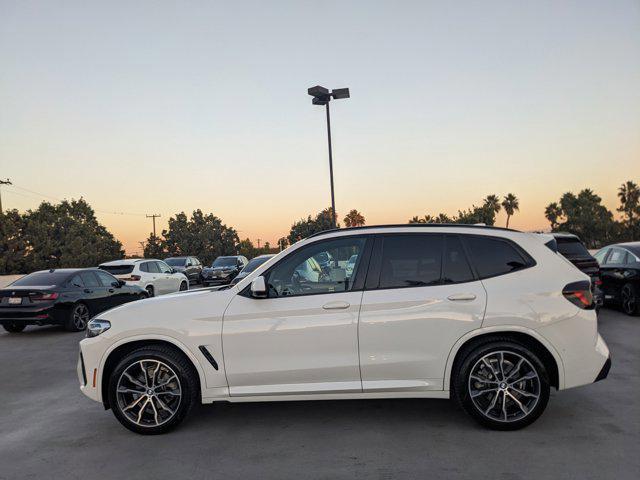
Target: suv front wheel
point(502, 384)
point(152, 389)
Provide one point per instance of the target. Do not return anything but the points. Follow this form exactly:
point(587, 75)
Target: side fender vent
point(208, 356)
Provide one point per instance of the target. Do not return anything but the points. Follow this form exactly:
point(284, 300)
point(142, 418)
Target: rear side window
point(117, 269)
point(617, 257)
point(89, 279)
point(494, 256)
point(411, 261)
point(456, 268)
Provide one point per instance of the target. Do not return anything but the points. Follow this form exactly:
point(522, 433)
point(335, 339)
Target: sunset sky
point(168, 106)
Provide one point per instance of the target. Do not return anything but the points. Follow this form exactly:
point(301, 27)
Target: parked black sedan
point(190, 266)
point(620, 273)
point(223, 270)
point(67, 297)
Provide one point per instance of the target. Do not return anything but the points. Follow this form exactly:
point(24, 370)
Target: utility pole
point(258, 243)
point(3, 182)
point(154, 216)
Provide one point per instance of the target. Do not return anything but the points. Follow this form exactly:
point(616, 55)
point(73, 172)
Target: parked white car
point(155, 276)
point(489, 317)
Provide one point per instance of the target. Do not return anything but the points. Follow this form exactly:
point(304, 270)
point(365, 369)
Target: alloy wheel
point(504, 386)
point(80, 316)
point(628, 300)
point(149, 393)
point(183, 286)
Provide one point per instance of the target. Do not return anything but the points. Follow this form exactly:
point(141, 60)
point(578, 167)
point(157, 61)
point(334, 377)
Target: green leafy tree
point(354, 219)
point(511, 204)
point(204, 236)
point(154, 247)
point(66, 234)
point(13, 243)
point(246, 248)
point(306, 227)
point(585, 216)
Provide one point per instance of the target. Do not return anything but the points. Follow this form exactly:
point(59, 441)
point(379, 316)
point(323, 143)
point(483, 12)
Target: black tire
point(188, 385)
point(527, 408)
point(77, 318)
point(630, 299)
point(14, 327)
point(150, 291)
point(184, 286)
point(142, 296)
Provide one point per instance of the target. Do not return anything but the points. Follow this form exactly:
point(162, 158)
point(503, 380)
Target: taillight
point(132, 278)
point(579, 293)
point(43, 297)
point(598, 282)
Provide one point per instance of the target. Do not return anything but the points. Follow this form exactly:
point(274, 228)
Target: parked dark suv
point(190, 266)
point(572, 249)
point(223, 270)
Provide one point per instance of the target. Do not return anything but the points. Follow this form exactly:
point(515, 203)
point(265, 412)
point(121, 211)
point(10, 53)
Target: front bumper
point(604, 372)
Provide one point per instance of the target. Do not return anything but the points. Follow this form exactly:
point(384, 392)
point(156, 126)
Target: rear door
point(421, 295)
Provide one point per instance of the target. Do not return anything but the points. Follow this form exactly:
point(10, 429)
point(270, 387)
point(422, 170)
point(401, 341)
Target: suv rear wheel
point(152, 389)
point(502, 384)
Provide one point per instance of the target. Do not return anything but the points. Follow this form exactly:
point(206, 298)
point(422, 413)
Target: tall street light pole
point(322, 96)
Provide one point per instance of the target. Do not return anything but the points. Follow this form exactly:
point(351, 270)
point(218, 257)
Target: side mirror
point(258, 288)
point(118, 283)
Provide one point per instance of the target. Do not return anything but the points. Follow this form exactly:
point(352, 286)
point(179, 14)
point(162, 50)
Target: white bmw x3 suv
point(490, 317)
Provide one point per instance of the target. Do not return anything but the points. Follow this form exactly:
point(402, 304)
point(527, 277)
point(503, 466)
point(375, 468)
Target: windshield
point(41, 279)
point(571, 247)
point(225, 262)
point(255, 263)
point(175, 262)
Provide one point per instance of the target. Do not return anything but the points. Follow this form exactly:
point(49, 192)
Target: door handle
point(461, 297)
point(336, 305)
point(88, 291)
point(111, 290)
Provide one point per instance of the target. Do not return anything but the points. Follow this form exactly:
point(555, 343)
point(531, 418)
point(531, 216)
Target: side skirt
point(329, 396)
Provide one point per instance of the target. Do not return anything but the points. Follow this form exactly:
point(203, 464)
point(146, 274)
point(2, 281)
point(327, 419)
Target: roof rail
point(413, 225)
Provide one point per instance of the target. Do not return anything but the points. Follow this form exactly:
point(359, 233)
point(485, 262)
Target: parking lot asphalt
point(48, 429)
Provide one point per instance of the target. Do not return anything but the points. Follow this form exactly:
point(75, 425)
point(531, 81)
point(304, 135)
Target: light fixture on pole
point(322, 96)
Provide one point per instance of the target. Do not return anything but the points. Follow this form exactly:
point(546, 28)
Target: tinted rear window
point(176, 262)
point(41, 279)
point(117, 269)
point(492, 256)
point(411, 261)
point(572, 247)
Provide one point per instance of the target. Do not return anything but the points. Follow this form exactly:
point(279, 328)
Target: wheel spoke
point(141, 411)
point(129, 390)
point(166, 382)
point(518, 402)
point(527, 376)
point(488, 364)
point(133, 404)
point(484, 380)
point(493, 403)
point(501, 365)
point(164, 406)
point(514, 370)
point(134, 381)
point(523, 393)
point(477, 393)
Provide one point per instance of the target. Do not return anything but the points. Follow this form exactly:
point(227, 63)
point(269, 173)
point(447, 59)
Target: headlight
point(96, 326)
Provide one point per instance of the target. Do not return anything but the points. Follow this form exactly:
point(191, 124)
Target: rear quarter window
point(495, 256)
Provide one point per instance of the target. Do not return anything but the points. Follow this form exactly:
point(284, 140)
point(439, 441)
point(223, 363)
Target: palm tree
point(511, 204)
point(354, 219)
point(629, 195)
point(493, 202)
point(553, 212)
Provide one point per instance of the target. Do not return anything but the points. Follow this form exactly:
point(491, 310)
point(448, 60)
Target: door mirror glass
point(258, 288)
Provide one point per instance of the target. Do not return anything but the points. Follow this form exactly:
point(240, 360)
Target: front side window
point(411, 261)
point(76, 282)
point(105, 279)
point(164, 268)
point(302, 274)
point(493, 256)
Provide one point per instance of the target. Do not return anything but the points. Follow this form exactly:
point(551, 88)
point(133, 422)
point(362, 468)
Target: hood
point(184, 311)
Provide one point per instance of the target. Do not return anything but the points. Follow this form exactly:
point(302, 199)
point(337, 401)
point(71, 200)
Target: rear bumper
point(29, 316)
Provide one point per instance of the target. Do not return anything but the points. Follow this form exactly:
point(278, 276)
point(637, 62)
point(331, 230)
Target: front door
point(421, 296)
point(302, 338)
